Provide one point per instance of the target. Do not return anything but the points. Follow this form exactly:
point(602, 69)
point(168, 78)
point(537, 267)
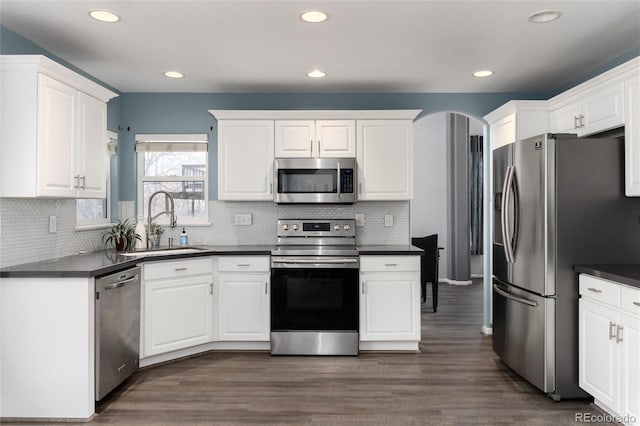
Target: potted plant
point(122, 235)
point(155, 231)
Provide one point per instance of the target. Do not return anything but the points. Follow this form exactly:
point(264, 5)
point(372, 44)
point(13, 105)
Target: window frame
point(141, 178)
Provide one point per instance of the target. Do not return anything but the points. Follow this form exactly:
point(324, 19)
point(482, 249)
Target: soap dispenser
point(184, 238)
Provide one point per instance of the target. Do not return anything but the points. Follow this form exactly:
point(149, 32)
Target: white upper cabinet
point(385, 159)
point(517, 120)
point(632, 137)
point(245, 160)
point(597, 109)
point(315, 138)
point(54, 130)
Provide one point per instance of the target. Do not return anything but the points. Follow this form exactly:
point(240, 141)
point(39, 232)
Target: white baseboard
point(454, 282)
point(487, 331)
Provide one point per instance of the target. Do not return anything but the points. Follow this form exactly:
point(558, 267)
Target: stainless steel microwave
point(315, 180)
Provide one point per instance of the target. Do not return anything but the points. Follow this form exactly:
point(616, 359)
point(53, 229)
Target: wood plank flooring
point(456, 380)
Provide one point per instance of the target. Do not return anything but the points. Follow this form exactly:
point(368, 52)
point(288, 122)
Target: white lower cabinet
point(243, 298)
point(390, 298)
point(609, 346)
point(177, 305)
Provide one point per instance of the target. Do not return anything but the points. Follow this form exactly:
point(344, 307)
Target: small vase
point(121, 245)
point(156, 243)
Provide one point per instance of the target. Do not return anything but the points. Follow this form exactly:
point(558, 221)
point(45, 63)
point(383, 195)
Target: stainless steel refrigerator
point(558, 202)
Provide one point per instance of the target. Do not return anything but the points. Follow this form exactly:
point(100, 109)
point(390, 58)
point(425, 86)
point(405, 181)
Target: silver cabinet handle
point(390, 264)
point(311, 146)
point(359, 187)
point(362, 287)
point(77, 179)
point(619, 330)
point(339, 180)
point(210, 288)
point(243, 265)
point(576, 122)
point(636, 303)
point(180, 269)
point(270, 187)
point(595, 290)
point(581, 120)
point(318, 147)
point(266, 287)
point(612, 333)
point(84, 182)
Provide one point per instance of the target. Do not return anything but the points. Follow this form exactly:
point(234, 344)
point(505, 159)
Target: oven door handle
point(347, 262)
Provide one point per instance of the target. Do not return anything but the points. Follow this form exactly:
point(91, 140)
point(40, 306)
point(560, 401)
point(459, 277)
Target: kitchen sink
point(163, 251)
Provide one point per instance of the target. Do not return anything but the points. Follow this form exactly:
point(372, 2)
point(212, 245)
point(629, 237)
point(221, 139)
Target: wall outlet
point(53, 224)
point(359, 219)
point(243, 219)
point(388, 220)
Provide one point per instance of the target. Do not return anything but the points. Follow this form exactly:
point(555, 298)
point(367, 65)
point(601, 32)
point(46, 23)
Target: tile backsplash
point(25, 237)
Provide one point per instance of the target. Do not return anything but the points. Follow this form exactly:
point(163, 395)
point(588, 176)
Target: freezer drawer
point(523, 334)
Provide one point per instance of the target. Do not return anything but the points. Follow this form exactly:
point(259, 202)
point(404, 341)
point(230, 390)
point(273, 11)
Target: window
point(92, 213)
point(177, 164)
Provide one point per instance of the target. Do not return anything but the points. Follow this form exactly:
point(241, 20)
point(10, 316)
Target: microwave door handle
point(339, 182)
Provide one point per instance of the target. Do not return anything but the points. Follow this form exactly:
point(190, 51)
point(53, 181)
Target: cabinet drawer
point(389, 263)
point(630, 299)
point(177, 268)
point(243, 263)
point(600, 290)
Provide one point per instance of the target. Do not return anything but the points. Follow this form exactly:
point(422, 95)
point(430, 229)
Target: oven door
point(314, 310)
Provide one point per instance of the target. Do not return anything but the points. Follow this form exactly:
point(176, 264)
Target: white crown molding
point(43, 65)
point(391, 114)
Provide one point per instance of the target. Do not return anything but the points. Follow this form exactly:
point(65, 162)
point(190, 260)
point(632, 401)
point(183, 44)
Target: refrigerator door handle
point(506, 196)
point(513, 244)
point(515, 298)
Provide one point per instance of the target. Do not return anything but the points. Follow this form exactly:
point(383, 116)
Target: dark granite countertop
point(401, 249)
point(107, 261)
point(624, 274)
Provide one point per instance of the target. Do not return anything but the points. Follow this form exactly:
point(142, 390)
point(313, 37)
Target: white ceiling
point(364, 46)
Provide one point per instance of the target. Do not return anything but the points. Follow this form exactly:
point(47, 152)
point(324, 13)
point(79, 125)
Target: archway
point(431, 208)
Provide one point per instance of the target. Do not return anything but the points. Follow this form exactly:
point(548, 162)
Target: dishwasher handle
point(120, 283)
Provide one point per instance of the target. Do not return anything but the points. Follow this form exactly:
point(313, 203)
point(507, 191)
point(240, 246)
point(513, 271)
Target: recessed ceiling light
point(314, 16)
point(544, 16)
point(104, 16)
point(174, 74)
point(316, 74)
point(483, 73)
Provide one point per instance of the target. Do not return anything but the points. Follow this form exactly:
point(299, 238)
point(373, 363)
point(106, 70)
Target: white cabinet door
point(294, 138)
point(243, 307)
point(566, 119)
point(336, 138)
point(385, 159)
point(178, 313)
point(389, 306)
point(603, 109)
point(92, 150)
point(245, 160)
point(57, 138)
point(598, 352)
point(629, 348)
point(632, 137)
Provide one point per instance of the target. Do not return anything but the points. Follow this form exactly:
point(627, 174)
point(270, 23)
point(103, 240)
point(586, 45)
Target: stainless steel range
point(314, 288)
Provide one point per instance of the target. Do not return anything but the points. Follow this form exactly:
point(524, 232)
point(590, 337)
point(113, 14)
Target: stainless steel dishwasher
point(117, 329)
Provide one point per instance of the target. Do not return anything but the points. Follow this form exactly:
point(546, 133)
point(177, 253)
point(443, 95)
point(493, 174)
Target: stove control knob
point(295, 227)
point(347, 227)
point(285, 227)
point(336, 227)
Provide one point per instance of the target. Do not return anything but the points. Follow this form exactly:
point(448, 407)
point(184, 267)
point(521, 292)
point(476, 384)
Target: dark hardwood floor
point(456, 380)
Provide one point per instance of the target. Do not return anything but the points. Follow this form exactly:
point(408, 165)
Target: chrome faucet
point(170, 211)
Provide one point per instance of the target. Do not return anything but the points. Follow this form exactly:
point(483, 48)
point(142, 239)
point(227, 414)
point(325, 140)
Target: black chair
point(429, 266)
